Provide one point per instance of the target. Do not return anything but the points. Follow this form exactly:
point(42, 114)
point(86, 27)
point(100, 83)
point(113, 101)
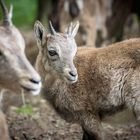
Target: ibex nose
point(31, 83)
point(73, 73)
point(36, 81)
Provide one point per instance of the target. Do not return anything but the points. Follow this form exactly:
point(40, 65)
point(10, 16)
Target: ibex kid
point(88, 84)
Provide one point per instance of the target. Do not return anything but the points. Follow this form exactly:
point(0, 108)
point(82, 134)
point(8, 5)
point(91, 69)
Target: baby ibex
point(108, 78)
point(15, 70)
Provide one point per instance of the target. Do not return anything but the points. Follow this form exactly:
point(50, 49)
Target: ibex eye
point(52, 53)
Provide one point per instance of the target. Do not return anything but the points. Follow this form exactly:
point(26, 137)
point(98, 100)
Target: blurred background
point(24, 12)
point(101, 21)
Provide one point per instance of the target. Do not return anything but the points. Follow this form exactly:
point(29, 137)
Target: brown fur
point(108, 82)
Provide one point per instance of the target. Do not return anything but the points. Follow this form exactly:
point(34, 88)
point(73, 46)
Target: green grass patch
point(26, 109)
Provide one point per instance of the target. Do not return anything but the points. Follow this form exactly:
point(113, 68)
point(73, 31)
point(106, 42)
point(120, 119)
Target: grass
point(26, 109)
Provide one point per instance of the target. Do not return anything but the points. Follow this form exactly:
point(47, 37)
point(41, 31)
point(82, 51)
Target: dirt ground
point(43, 124)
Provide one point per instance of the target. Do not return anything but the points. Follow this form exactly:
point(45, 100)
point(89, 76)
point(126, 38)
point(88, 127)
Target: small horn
point(69, 30)
point(11, 12)
point(52, 30)
point(6, 15)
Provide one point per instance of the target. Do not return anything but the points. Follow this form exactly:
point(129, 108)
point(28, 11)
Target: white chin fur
point(35, 92)
point(34, 89)
point(70, 81)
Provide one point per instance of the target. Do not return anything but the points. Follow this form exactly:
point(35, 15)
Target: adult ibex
point(15, 70)
point(108, 78)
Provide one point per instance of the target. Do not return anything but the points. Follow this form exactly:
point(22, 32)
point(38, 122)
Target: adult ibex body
point(108, 78)
point(15, 70)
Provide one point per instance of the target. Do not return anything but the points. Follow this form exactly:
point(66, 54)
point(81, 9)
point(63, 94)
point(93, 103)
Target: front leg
point(3, 127)
point(88, 136)
point(137, 109)
point(91, 127)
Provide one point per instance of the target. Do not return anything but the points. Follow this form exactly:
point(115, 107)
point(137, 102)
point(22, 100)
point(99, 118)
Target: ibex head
point(58, 50)
point(15, 71)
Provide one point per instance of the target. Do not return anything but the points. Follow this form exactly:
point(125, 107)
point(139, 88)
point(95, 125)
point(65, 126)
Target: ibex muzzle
point(58, 50)
point(16, 71)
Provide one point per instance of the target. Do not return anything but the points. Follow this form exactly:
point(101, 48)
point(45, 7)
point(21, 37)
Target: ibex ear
point(39, 32)
point(73, 29)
